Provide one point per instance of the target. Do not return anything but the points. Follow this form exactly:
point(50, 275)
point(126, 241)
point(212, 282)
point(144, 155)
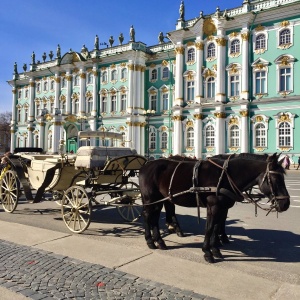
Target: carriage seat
point(96, 157)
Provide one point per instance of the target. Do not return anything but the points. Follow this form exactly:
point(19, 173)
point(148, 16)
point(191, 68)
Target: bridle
point(274, 199)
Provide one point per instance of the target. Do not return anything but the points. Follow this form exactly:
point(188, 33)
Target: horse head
point(271, 183)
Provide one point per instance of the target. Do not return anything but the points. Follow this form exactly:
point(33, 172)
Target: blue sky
point(35, 25)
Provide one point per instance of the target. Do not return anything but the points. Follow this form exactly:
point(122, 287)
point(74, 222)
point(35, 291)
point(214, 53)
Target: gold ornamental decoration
point(284, 23)
point(209, 27)
point(220, 115)
point(83, 75)
point(71, 118)
point(199, 45)
point(259, 119)
point(259, 28)
point(189, 124)
point(245, 36)
point(284, 118)
point(233, 34)
point(189, 44)
point(244, 113)
point(234, 121)
point(177, 118)
point(179, 50)
point(221, 41)
point(198, 116)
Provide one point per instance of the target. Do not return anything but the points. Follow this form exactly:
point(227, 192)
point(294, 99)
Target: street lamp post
point(148, 113)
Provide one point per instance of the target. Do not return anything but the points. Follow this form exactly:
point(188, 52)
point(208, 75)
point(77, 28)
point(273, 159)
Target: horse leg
point(147, 225)
point(210, 247)
point(155, 230)
point(171, 220)
point(223, 237)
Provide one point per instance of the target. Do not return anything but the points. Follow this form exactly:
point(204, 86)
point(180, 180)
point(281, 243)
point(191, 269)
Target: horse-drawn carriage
point(94, 176)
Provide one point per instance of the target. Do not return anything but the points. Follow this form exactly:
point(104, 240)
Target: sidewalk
point(174, 278)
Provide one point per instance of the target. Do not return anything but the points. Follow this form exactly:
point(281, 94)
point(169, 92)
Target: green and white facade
point(228, 82)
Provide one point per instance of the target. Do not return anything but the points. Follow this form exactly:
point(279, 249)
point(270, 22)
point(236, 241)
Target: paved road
point(262, 262)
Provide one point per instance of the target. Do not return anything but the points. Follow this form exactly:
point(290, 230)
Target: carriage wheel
point(9, 191)
point(130, 211)
point(76, 209)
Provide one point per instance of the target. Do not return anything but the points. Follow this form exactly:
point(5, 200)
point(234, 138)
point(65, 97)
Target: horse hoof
point(209, 258)
point(151, 246)
point(224, 239)
point(162, 246)
point(180, 233)
point(217, 253)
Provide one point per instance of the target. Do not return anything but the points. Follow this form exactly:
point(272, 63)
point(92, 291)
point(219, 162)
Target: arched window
point(76, 80)
point(210, 136)
point(124, 74)
point(260, 42)
point(45, 86)
point(103, 104)
point(190, 90)
point(235, 47)
point(76, 106)
point(63, 82)
point(36, 141)
point(210, 90)
point(113, 107)
point(152, 139)
point(104, 77)
point(234, 133)
point(153, 102)
point(123, 102)
point(90, 78)
point(190, 137)
point(165, 73)
point(191, 55)
point(38, 87)
point(285, 83)
point(211, 50)
point(154, 74)
point(260, 135)
point(165, 101)
point(89, 106)
point(114, 75)
point(234, 85)
point(164, 140)
point(52, 85)
point(284, 134)
point(285, 37)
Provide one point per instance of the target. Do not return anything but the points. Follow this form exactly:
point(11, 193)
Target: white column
point(82, 108)
point(56, 136)
point(31, 112)
point(244, 130)
point(69, 91)
point(42, 135)
point(138, 86)
point(178, 76)
point(221, 59)
point(13, 121)
point(198, 127)
point(220, 132)
point(95, 92)
point(245, 65)
point(143, 137)
point(130, 141)
point(177, 121)
point(130, 87)
point(199, 78)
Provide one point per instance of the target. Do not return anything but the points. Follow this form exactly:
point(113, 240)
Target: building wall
point(192, 124)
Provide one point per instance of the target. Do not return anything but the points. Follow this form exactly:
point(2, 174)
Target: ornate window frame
point(280, 118)
point(232, 121)
point(209, 121)
point(189, 78)
point(153, 98)
point(255, 121)
point(285, 25)
point(260, 30)
point(209, 56)
point(282, 62)
point(233, 69)
point(190, 54)
point(153, 73)
point(165, 66)
point(260, 65)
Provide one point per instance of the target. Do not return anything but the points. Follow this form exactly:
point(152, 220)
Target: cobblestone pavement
point(39, 274)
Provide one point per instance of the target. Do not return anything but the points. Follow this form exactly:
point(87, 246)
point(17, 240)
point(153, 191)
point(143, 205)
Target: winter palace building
point(220, 83)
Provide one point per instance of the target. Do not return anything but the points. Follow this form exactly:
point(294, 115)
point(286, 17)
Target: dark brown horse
point(217, 187)
point(171, 219)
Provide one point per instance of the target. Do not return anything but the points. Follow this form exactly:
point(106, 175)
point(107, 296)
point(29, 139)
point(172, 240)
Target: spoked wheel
point(9, 191)
point(129, 209)
point(76, 209)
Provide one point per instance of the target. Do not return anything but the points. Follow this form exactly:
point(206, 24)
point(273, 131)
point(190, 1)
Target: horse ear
point(281, 161)
point(278, 155)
